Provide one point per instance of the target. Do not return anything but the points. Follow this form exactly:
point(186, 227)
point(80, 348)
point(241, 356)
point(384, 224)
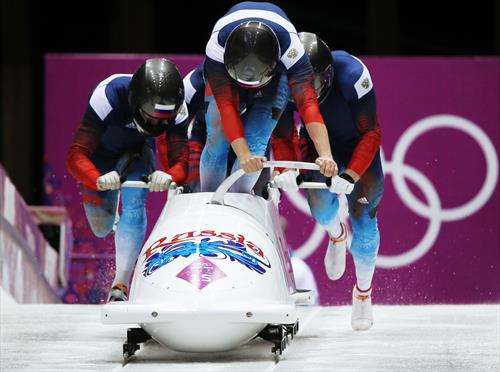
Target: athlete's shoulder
point(253, 5)
point(351, 75)
point(109, 94)
point(194, 83)
point(183, 114)
point(272, 15)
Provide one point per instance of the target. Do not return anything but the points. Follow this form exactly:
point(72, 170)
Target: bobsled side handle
point(144, 185)
point(218, 197)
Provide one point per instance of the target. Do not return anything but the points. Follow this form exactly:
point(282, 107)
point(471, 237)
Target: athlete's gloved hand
point(287, 180)
point(159, 181)
point(327, 166)
point(109, 181)
point(342, 184)
point(252, 163)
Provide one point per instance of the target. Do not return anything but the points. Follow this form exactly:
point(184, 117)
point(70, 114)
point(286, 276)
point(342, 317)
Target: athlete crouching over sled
point(125, 116)
point(347, 103)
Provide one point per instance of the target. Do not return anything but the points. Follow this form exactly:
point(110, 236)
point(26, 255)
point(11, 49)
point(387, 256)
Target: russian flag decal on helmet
point(164, 111)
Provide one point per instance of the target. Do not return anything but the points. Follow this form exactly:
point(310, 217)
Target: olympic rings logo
point(401, 172)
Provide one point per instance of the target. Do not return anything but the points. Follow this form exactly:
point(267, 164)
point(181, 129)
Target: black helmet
point(321, 60)
point(156, 94)
point(251, 54)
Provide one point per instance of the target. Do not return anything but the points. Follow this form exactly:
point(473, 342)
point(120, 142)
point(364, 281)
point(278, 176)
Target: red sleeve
point(161, 149)
point(78, 162)
point(304, 96)
point(284, 148)
point(365, 116)
point(173, 152)
point(365, 150)
point(195, 150)
point(227, 97)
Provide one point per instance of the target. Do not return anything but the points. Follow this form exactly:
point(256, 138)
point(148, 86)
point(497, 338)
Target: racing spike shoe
point(335, 255)
point(362, 312)
point(119, 292)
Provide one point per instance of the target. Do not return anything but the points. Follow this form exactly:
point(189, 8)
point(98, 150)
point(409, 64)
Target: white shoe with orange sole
point(362, 312)
point(335, 255)
point(119, 292)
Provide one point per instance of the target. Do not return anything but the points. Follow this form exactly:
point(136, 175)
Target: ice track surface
point(404, 338)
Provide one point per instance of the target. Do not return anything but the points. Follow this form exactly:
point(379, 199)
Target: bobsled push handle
point(143, 185)
point(218, 197)
point(135, 185)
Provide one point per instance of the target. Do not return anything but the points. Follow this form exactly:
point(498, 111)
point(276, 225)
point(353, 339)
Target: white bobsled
point(214, 273)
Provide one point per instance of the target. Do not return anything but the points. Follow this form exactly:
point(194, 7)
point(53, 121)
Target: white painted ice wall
point(28, 264)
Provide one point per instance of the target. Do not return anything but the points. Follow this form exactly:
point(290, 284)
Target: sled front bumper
point(127, 313)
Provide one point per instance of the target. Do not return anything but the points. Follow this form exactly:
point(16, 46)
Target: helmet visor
point(322, 82)
point(251, 72)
